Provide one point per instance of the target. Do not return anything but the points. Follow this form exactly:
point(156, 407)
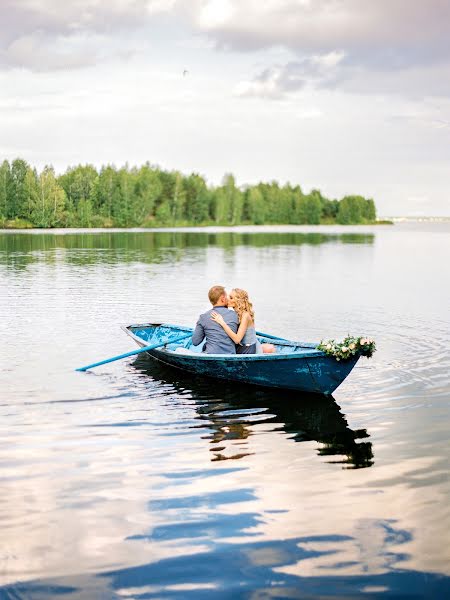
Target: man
point(217, 341)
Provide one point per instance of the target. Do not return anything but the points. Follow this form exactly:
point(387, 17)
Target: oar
point(270, 337)
point(275, 338)
point(145, 349)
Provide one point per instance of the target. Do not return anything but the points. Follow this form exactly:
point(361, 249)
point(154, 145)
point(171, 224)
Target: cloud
point(40, 53)
point(279, 80)
point(46, 35)
point(214, 13)
point(388, 46)
point(55, 17)
point(393, 32)
point(431, 119)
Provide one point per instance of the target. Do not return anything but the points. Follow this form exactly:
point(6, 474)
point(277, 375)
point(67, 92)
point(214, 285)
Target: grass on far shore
point(24, 224)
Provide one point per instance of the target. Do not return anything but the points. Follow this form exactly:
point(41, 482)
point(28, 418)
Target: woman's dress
point(249, 343)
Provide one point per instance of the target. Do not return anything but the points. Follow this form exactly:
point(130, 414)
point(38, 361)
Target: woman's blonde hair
point(242, 304)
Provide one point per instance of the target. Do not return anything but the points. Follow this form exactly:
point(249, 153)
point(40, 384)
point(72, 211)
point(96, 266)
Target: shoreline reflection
point(235, 411)
point(116, 248)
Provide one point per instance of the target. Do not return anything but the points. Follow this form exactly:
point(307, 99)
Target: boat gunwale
point(309, 353)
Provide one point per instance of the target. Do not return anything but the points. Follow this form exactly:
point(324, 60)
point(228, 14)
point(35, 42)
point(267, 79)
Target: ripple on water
point(138, 481)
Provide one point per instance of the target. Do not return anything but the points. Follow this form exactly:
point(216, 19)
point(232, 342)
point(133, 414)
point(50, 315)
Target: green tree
point(128, 197)
point(313, 207)
point(85, 216)
point(164, 213)
point(147, 191)
point(103, 192)
point(330, 209)
point(255, 206)
point(301, 210)
point(122, 199)
point(270, 194)
point(167, 180)
point(18, 205)
point(78, 183)
point(47, 205)
point(350, 210)
point(285, 205)
point(197, 199)
point(178, 199)
point(172, 196)
point(369, 211)
point(219, 207)
point(5, 185)
point(31, 185)
point(233, 200)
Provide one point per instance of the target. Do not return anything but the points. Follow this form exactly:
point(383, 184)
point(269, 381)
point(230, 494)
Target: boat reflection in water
point(233, 411)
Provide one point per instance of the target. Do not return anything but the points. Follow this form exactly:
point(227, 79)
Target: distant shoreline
point(25, 226)
point(334, 230)
point(244, 227)
point(417, 219)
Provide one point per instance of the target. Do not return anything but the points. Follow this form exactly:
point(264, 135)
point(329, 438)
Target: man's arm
point(199, 334)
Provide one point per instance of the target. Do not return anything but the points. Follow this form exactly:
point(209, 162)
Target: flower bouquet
point(350, 346)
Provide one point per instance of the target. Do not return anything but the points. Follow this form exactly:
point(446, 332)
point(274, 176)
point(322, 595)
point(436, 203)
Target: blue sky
point(349, 96)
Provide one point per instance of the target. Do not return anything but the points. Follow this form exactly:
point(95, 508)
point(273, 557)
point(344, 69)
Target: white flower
point(328, 346)
point(352, 346)
point(344, 348)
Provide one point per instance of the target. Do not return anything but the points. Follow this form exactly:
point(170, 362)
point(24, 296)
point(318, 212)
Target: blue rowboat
point(294, 365)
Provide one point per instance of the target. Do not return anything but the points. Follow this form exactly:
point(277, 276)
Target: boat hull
point(295, 366)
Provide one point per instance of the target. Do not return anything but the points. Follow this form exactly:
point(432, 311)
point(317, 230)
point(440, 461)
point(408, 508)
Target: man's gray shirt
point(217, 340)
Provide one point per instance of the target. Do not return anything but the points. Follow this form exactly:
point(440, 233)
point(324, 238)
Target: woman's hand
point(236, 337)
point(217, 318)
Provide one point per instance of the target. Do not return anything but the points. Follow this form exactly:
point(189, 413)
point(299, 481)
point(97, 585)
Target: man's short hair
point(215, 293)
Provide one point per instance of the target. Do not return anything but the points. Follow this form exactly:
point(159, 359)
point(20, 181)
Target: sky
point(347, 96)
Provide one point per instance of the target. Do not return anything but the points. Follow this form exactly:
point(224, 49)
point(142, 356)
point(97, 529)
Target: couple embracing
point(229, 331)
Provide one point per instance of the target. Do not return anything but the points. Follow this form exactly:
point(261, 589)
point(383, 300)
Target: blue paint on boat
point(295, 365)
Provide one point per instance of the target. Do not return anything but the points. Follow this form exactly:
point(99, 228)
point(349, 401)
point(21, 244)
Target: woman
point(245, 337)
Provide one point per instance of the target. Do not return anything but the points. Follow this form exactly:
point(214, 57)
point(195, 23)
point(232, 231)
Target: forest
point(148, 196)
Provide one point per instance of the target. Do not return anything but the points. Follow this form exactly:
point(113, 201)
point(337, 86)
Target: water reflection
point(249, 569)
point(22, 249)
point(232, 412)
point(144, 483)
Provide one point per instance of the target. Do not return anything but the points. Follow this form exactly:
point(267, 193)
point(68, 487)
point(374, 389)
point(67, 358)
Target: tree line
point(149, 196)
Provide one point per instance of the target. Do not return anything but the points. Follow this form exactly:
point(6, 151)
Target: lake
point(137, 481)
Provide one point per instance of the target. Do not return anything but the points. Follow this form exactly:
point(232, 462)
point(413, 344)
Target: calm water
point(134, 481)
